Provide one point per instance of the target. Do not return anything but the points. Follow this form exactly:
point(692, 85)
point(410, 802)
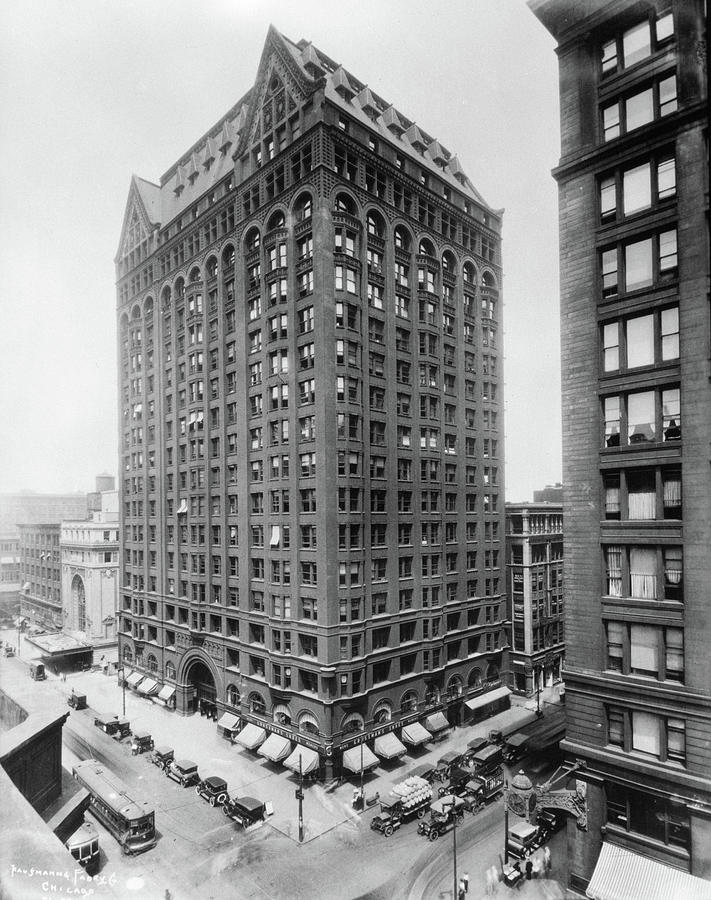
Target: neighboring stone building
point(10, 573)
point(634, 231)
point(40, 571)
point(534, 558)
point(90, 562)
point(311, 417)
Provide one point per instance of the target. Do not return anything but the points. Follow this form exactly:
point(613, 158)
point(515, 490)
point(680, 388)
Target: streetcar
point(131, 822)
point(83, 844)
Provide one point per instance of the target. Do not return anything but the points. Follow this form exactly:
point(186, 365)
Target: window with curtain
point(644, 650)
point(645, 733)
point(640, 417)
point(675, 654)
point(613, 557)
point(641, 495)
point(673, 573)
point(643, 573)
point(672, 495)
point(612, 496)
point(615, 644)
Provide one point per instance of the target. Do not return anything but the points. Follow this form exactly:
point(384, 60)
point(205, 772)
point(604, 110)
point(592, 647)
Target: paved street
point(200, 854)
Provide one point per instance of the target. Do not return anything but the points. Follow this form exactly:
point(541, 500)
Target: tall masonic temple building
point(311, 489)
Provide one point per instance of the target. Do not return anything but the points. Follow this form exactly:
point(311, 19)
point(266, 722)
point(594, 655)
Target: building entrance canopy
point(623, 875)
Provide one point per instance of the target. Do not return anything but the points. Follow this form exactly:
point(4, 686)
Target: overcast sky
point(92, 91)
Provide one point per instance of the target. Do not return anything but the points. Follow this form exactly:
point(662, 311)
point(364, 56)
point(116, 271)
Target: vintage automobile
point(245, 811)
point(487, 758)
point(515, 747)
point(37, 672)
point(426, 771)
point(443, 813)
point(212, 789)
point(121, 730)
point(8, 651)
point(445, 763)
point(550, 821)
point(184, 771)
point(162, 756)
point(141, 742)
point(523, 839)
point(77, 701)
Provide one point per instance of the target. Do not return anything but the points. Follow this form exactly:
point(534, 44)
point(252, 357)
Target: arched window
point(195, 275)
point(152, 663)
point(474, 679)
point(352, 723)
point(401, 238)
point(448, 262)
point(383, 711)
point(228, 260)
point(276, 220)
point(211, 267)
point(127, 654)
point(281, 714)
point(79, 602)
point(454, 686)
point(303, 208)
point(136, 312)
point(426, 247)
point(431, 695)
point(345, 203)
point(256, 704)
point(488, 280)
point(492, 672)
point(408, 703)
point(375, 224)
point(180, 288)
point(170, 670)
point(252, 239)
point(469, 274)
point(232, 695)
point(308, 723)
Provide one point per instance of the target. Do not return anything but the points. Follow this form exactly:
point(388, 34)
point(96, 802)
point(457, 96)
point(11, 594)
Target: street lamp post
point(300, 798)
point(122, 676)
point(452, 806)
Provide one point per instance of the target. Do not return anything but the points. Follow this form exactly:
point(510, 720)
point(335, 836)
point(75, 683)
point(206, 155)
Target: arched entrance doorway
point(202, 686)
point(79, 602)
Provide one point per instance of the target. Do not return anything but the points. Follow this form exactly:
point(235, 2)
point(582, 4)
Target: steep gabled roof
point(141, 215)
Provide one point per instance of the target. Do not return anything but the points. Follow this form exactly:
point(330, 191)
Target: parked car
point(212, 789)
point(141, 742)
point(37, 672)
point(245, 811)
point(162, 756)
point(523, 839)
point(550, 821)
point(426, 771)
point(443, 813)
point(445, 763)
point(184, 771)
point(77, 701)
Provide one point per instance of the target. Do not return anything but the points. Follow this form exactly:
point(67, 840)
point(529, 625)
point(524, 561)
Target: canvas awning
point(309, 760)
point(623, 875)
point(275, 748)
point(148, 686)
point(166, 692)
point(387, 746)
point(415, 734)
point(436, 722)
point(133, 679)
point(352, 758)
point(487, 698)
point(251, 736)
point(228, 721)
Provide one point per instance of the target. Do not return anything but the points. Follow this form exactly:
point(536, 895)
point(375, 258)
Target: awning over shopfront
point(148, 686)
point(436, 722)
point(228, 721)
point(487, 698)
point(133, 679)
point(166, 692)
point(309, 760)
point(352, 759)
point(275, 748)
point(387, 746)
point(415, 734)
point(251, 736)
point(623, 875)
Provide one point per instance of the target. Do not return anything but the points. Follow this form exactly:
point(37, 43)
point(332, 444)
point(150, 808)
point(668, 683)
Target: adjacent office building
point(633, 188)
point(534, 547)
point(311, 488)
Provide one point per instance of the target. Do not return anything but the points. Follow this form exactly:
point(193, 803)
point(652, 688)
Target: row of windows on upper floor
point(637, 42)
point(638, 107)
point(643, 417)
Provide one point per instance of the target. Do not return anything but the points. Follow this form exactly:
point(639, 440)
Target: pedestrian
point(529, 869)
point(546, 859)
point(489, 886)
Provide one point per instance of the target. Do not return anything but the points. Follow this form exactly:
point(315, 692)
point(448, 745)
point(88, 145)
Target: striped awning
point(309, 760)
point(623, 875)
point(487, 698)
point(275, 748)
point(352, 758)
point(387, 746)
point(251, 736)
point(436, 722)
point(415, 734)
point(134, 678)
point(229, 721)
point(148, 686)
